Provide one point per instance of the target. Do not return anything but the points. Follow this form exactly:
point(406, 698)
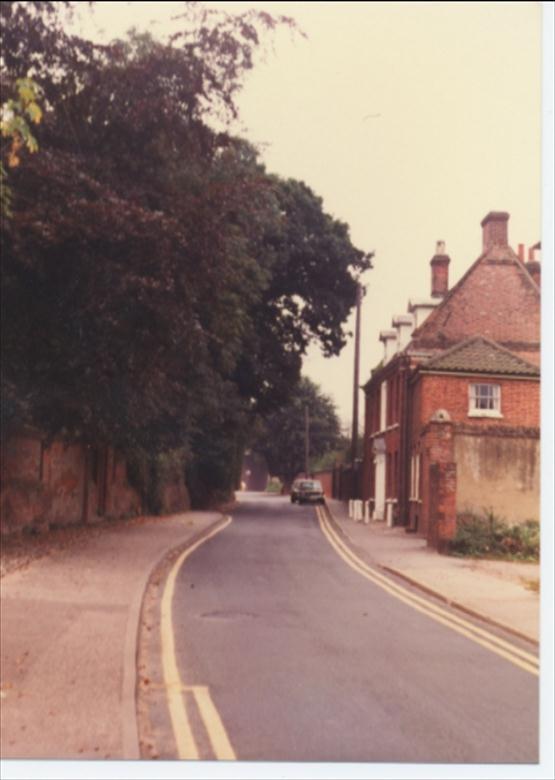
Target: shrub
point(149, 473)
point(487, 536)
point(274, 485)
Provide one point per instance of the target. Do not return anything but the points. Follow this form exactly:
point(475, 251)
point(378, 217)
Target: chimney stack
point(533, 266)
point(495, 229)
point(420, 310)
point(389, 341)
point(440, 271)
point(404, 325)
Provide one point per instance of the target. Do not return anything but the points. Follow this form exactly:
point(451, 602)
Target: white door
point(379, 505)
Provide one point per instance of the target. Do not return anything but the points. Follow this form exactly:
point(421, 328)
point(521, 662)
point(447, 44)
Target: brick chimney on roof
point(533, 266)
point(495, 229)
point(440, 271)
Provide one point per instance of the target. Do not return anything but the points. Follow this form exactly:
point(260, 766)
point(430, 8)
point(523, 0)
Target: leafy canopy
point(160, 288)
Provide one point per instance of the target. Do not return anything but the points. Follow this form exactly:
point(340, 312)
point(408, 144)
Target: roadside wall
point(61, 484)
point(174, 494)
point(499, 472)
point(438, 484)
point(326, 478)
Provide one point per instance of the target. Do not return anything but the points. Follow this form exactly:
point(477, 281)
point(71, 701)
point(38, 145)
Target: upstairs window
point(484, 400)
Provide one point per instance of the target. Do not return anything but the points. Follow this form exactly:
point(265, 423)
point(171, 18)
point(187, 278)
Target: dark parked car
point(307, 490)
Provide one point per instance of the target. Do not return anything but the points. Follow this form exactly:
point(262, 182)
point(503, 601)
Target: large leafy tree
point(127, 274)
point(160, 288)
point(311, 289)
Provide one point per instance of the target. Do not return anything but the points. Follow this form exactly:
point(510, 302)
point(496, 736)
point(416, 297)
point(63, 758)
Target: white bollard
point(389, 515)
point(358, 511)
point(351, 508)
point(367, 512)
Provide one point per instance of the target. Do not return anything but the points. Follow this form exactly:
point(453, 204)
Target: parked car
point(307, 490)
point(295, 490)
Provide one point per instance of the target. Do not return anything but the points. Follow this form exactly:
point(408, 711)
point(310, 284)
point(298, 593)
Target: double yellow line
point(510, 652)
point(176, 691)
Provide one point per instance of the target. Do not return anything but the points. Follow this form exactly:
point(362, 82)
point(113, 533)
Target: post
point(306, 441)
point(354, 435)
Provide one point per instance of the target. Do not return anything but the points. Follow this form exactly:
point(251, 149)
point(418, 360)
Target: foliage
point(311, 290)
point(159, 286)
point(15, 115)
point(281, 438)
point(274, 486)
point(148, 472)
point(340, 456)
point(218, 443)
point(487, 536)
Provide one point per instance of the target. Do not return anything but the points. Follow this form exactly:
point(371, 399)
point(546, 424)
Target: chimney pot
point(495, 229)
point(521, 253)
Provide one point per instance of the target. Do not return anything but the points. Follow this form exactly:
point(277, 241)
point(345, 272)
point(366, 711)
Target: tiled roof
point(481, 356)
point(496, 298)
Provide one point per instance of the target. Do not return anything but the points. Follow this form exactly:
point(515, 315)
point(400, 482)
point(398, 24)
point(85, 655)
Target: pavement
point(504, 593)
point(69, 624)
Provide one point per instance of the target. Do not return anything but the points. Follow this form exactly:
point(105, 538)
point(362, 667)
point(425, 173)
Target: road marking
point(186, 746)
point(512, 653)
point(389, 584)
point(213, 724)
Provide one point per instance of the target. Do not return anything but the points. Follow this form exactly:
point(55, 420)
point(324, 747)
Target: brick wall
point(24, 499)
point(438, 486)
point(520, 400)
point(64, 478)
point(442, 521)
point(62, 484)
point(326, 478)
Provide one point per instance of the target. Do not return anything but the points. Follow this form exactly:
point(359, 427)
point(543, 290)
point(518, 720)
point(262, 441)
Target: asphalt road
point(305, 659)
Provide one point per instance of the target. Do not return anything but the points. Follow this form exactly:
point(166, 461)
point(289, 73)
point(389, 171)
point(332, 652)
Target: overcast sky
point(411, 120)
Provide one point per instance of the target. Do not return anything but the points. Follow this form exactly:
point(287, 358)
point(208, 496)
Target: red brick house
point(452, 411)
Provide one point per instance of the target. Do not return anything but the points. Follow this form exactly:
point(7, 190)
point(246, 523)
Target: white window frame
point(485, 401)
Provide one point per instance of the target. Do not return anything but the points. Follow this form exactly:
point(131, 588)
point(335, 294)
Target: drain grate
point(228, 614)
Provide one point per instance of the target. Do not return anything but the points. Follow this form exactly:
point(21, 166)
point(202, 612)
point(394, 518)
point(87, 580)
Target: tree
point(281, 437)
point(127, 276)
point(313, 269)
point(159, 286)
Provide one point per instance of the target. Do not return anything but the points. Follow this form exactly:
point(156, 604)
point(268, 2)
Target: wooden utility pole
point(354, 435)
point(306, 441)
